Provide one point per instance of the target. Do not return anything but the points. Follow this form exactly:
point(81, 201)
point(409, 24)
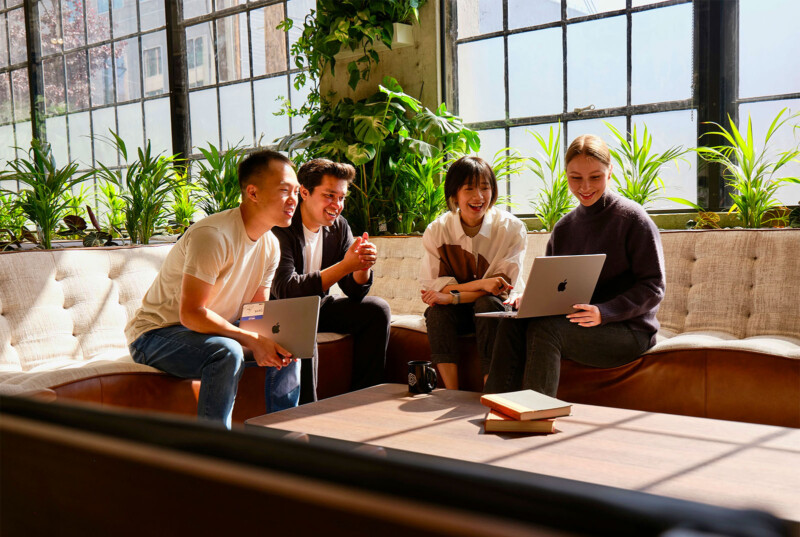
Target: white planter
point(403, 37)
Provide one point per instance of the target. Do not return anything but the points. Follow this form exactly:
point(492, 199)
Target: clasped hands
point(362, 254)
point(491, 286)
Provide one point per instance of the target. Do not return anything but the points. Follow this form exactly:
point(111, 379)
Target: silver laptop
point(290, 322)
point(554, 284)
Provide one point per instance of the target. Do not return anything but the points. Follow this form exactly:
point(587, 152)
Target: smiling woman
point(620, 323)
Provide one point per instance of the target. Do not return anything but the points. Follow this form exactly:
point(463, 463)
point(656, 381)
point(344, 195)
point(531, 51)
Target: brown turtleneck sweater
point(631, 284)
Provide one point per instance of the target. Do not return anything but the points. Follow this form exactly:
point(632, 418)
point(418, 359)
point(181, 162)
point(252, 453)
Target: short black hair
point(257, 163)
point(468, 170)
point(311, 173)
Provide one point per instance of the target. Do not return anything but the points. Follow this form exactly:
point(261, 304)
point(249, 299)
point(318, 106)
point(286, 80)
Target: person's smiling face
point(587, 178)
point(324, 204)
point(473, 201)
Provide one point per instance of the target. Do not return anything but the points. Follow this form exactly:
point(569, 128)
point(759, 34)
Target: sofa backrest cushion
point(739, 282)
point(70, 304)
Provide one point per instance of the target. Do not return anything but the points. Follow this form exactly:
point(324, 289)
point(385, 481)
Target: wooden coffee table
point(725, 463)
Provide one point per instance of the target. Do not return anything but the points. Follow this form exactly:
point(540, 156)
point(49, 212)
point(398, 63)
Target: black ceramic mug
point(421, 377)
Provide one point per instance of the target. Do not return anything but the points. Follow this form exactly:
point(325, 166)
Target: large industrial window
point(15, 99)
point(520, 66)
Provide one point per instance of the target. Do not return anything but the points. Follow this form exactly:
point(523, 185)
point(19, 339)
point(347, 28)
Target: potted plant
point(43, 196)
point(218, 179)
point(751, 172)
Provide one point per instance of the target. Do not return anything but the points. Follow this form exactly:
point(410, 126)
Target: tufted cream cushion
point(726, 289)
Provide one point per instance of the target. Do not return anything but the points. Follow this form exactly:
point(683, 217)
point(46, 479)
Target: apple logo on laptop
point(276, 328)
point(562, 286)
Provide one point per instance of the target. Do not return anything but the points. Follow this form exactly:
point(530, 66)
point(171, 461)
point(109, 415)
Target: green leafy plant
point(114, 204)
point(751, 172)
point(77, 201)
point(637, 174)
point(336, 26)
point(12, 223)
point(554, 199)
point(218, 179)
point(506, 163)
point(42, 199)
point(183, 205)
point(383, 136)
point(147, 184)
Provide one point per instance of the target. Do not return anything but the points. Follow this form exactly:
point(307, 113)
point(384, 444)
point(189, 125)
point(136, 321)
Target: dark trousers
point(446, 322)
point(368, 322)
point(527, 352)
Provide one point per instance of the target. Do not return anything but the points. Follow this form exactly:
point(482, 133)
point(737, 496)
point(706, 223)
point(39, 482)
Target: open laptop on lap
point(290, 322)
point(554, 284)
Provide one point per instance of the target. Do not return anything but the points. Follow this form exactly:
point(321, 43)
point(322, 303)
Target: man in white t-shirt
point(318, 251)
point(185, 325)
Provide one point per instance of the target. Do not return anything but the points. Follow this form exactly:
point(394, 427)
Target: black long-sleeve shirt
point(631, 284)
point(290, 280)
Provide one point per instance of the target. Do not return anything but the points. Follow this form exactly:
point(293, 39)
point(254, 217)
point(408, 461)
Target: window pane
point(72, 24)
point(204, 118)
point(269, 126)
point(7, 152)
point(298, 97)
point(522, 13)
point(154, 55)
point(102, 83)
point(97, 20)
point(222, 4)
point(232, 50)
point(127, 68)
point(77, 81)
point(80, 141)
point(477, 17)
point(661, 56)
point(123, 14)
point(195, 8)
point(22, 97)
point(784, 139)
point(24, 133)
point(596, 64)
point(104, 121)
point(595, 126)
point(16, 31)
point(151, 13)
point(767, 35)
point(236, 115)
point(582, 8)
point(50, 26)
point(4, 41)
point(525, 187)
point(481, 96)
point(57, 136)
point(670, 129)
point(54, 85)
point(199, 59)
point(535, 81)
point(131, 128)
point(269, 43)
point(492, 141)
point(157, 125)
point(297, 11)
point(6, 110)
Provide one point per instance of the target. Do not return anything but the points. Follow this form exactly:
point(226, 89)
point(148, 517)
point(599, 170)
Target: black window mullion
point(252, 88)
point(178, 79)
point(506, 130)
point(35, 71)
point(629, 63)
point(140, 38)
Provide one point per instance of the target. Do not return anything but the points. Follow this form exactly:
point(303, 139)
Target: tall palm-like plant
point(554, 199)
point(42, 198)
point(218, 179)
point(146, 184)
point(752, 172)
point(638, 171)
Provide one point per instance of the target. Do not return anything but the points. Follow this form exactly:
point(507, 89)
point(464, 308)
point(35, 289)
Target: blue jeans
point(219, 363)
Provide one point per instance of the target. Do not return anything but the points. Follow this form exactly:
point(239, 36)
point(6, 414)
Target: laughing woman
point(620, 323)
point(472, 261)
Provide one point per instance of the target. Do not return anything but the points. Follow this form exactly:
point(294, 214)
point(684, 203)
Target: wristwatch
point(456, 296)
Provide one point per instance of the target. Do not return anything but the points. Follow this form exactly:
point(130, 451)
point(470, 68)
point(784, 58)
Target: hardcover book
point(496, 422)
point(526, 405)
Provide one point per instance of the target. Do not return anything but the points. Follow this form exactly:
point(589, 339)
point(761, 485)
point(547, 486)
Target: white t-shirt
point(312, 253)
point(218, 251)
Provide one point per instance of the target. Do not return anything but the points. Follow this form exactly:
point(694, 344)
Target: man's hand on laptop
point(267, 353)
point(587, 317)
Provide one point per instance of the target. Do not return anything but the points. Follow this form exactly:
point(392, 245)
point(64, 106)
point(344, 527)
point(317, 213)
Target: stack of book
point(526, 411)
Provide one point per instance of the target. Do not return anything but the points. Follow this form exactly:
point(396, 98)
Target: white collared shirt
point(452, 257)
